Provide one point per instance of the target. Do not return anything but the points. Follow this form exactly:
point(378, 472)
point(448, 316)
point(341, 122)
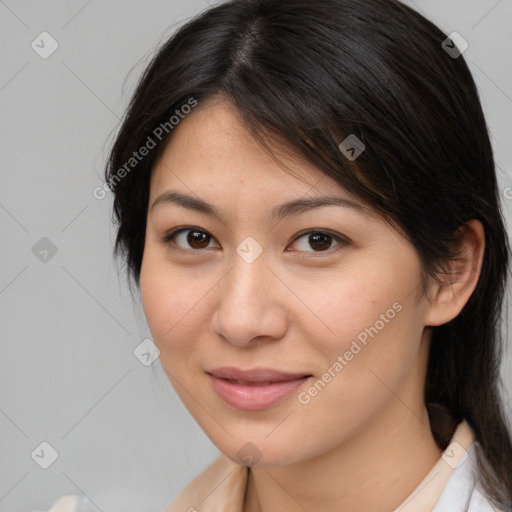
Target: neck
point(374, 469)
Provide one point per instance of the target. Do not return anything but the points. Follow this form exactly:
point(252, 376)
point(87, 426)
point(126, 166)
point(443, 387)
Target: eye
point(198, 239)
point(195, 237)
point(320, 241)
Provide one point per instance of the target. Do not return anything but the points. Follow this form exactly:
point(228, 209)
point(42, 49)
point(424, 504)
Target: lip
point(254, 389)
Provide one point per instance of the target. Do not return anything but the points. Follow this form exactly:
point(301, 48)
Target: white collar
point(448, 487)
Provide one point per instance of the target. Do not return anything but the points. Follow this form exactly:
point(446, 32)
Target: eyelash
point(169, 239)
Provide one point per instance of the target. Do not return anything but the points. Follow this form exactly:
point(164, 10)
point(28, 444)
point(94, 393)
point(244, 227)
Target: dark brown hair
point(312, 72)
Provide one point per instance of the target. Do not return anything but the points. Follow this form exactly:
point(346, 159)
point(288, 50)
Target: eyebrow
point(293, 207)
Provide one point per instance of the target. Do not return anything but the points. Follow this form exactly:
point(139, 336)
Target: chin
point(261, 451)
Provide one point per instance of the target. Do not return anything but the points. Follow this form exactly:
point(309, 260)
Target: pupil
point(196, 238)
point(199, 239)
point(323, 241)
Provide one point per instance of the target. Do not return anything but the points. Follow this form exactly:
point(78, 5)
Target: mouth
point(255, 389)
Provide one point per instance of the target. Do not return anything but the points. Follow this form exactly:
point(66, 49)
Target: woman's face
point(285, 330)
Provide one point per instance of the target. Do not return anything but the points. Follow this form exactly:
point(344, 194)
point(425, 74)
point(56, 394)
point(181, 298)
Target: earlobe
point(454, 287)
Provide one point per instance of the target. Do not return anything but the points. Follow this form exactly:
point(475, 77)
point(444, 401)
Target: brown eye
point(319, 241)
point(198, 239)
point(188, 238)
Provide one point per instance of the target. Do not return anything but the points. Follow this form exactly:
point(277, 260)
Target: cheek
point(356, 306)
point(372, 328)
point(364, 369)
point(172, 306)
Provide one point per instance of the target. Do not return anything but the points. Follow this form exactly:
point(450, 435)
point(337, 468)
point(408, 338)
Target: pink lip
point(253, 390)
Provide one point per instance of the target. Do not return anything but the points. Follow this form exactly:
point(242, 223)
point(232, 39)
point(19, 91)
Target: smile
point(254, 390)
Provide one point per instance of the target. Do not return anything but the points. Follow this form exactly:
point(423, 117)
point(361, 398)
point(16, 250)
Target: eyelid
point(342, 241)
point(323, 231)
point(171, 235)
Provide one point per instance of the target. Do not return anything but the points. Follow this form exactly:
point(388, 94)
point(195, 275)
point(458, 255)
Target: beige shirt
point(222, 485)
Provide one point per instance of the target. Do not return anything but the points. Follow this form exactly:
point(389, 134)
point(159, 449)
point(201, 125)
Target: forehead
point(212, 148)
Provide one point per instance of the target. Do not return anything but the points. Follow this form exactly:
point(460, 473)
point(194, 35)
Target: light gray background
point(68, 375)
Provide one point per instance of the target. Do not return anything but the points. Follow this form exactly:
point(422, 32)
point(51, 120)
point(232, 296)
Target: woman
point(306, 198)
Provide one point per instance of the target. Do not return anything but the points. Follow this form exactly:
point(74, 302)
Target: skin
point(296, 308)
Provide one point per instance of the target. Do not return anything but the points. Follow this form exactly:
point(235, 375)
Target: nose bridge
point(249, 273)
point(246, 305)
point(246, 284)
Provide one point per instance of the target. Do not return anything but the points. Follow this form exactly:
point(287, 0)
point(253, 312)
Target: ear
point(451, 291)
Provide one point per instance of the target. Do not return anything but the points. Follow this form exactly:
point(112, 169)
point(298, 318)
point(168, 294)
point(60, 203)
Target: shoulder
point(462, 493)
point(479, 503)
point(222, 483)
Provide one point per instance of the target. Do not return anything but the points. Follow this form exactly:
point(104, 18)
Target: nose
point(249, 304)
